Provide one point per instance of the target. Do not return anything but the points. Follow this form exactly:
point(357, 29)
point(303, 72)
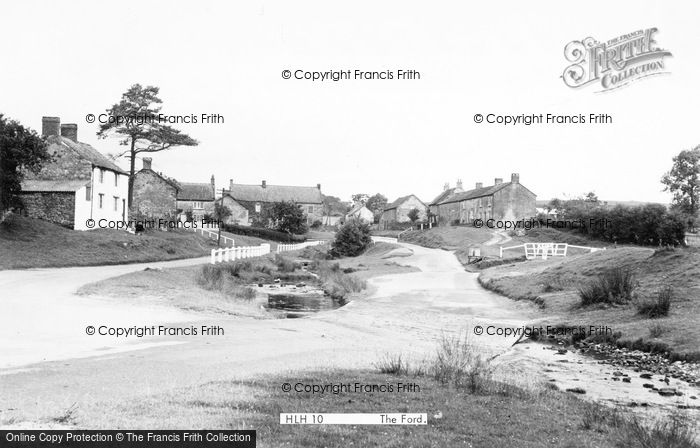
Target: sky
point(395, 137)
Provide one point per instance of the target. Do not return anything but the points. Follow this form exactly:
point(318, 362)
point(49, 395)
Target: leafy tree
point(352, 239)
point(221, 212)
point(21, 150)
point(414, 215)
point(333, 204)
point(140, 128)
point(376, 205)
point(285, 217)
point(360, 198)
point(683, 180)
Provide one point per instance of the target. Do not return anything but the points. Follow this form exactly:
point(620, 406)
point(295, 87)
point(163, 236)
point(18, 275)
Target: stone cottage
point(246, 202)
point(197, 198)
point(361, 212)
point(154, 195)
point(500, 201)
point(397, 211)
point(79, 188)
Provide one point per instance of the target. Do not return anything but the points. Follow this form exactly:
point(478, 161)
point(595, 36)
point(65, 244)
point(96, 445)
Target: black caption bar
point(128, 438)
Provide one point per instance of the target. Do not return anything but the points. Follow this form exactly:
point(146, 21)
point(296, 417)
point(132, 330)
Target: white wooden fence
point(544, 250)
point(214, 234)
point(297, 246)
point(238, 253)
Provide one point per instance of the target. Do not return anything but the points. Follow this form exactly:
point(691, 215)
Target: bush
point(352, 239)
point(336, 283)
point(658, 307)
point(459, 364)
point(316, 224)
point(284, 264)
point(261, 232)
point(675, 431)
point(616, 285)
point(392, 365)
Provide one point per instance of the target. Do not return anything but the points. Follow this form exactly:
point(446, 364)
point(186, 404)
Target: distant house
point(79, 184)
point(333, 220)
point(397, 211)
point(446, 193)
point(197, 198)
point(360, 211)
point(247, 201)
point(154, 195)
point(500, 201)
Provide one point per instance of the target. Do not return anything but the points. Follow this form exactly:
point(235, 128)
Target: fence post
point(500, 251)
point(213, 259)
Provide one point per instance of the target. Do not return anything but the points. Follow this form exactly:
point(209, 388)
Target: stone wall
point(56, 207)
point(514, 202)
point(153, 196)
point(239, 214)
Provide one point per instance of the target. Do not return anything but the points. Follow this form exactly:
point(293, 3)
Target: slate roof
point(53, 185)
point(275, 193)
point(195, 191)
point(442, 196)
point(399, 201)
point(87, 152)
point(475, 193)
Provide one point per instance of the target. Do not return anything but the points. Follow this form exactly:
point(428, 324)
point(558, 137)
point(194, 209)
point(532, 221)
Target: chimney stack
point(146, 163)
point(264, 184)
point(230, 185)
point(50, 126)
point(70, 131)
point(459, 184)
point(318, 186)
point(213, 184)
point(479, 185)
point(446, 186)
point(515, 178)
point(498, 181)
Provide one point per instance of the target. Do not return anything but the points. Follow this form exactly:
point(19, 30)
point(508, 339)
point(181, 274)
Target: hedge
point(261, 232)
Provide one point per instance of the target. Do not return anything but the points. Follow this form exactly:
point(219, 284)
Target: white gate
point(545, 250)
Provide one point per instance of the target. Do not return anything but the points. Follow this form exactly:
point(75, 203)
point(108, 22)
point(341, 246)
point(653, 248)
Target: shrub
point(615, 285)
point(336, 283)
point(352, 239)
point(284, 264)
point(316, 224)
point(393, 365)
point(673, 432)
point(458, 363)
point(658, 307)
point(656, 330)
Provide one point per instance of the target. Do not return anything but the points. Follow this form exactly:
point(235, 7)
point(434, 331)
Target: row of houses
point(453, 206)
point(80, 184)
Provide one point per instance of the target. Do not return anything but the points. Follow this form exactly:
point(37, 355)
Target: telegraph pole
point(218, 217)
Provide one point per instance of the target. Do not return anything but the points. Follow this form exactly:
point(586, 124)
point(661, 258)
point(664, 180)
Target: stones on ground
point(646, 376)
point(626, 379)
point(576, 390)
point(648, 386)
point(667, 391)
point(561, 351)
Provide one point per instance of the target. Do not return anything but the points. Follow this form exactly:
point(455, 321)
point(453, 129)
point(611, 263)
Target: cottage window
point(198, 205)
point(102, 196)
point(310, 209)
point(88, 193)
point(116, 204)
point(102, 175)
point(257, 207)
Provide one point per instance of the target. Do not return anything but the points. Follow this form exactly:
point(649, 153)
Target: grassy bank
point(224, 287)
point(33, 243)
point(465, 404)
point(556, 285)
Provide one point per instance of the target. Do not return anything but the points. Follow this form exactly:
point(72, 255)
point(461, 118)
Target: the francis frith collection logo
point(614, 63)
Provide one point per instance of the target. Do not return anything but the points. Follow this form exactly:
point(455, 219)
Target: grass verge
point(33, 243)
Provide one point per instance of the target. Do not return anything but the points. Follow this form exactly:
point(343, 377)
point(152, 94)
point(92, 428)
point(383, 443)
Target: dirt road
point(50, 362)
